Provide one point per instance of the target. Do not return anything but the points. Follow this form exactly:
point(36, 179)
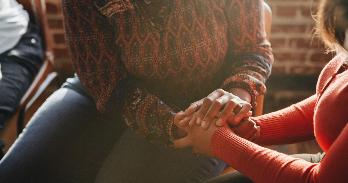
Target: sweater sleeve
point(289, 125)
point(268, 166)
point(250, 54)
point(148, 115)
point(92, 46)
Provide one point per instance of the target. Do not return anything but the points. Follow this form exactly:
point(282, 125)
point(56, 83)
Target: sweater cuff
point(248, 83)
point(271, 129)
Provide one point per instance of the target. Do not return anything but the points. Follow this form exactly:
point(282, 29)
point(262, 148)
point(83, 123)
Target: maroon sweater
point(149, 68)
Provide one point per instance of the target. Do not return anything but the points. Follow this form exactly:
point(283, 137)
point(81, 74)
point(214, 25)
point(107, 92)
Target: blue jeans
point(19, 66)
point(68, 141)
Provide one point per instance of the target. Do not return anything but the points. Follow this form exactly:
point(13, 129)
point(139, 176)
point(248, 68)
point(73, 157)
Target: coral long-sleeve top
point(323, 116)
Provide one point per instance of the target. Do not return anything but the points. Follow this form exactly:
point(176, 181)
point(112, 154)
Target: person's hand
point(218, 106)
point(197, 138)
point(184, 118)
point(246, 129)
point(179, 132)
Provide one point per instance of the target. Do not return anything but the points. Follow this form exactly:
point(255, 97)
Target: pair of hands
point(197, 124)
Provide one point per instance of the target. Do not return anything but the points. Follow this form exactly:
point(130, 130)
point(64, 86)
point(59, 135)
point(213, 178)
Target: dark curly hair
point(332, 22)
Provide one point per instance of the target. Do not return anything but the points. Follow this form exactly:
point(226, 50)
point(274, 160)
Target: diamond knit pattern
point(200, 46)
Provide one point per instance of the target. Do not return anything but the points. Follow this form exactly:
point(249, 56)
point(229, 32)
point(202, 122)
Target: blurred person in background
point(21, 55)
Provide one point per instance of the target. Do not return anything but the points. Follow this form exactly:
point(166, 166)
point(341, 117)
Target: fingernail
point(199, 121)
point(203, 124)
point(219, 122)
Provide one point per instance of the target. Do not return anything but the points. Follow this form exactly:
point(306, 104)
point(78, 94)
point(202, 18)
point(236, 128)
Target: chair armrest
point(44, 71)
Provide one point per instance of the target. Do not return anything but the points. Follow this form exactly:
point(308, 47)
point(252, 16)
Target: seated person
point(113, 121)
point(21, 55)
point(322, 116)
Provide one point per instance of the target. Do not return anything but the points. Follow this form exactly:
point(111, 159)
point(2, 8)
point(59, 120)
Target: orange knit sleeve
point(289, 125)
point(263, 165)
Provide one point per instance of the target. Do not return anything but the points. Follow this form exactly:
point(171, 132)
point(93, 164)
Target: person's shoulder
point(329, 70)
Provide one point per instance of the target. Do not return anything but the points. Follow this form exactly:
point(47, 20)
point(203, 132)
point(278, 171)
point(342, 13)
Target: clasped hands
point(220, 109)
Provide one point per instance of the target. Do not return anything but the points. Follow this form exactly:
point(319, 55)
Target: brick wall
point(296, 50)
point(55, 21)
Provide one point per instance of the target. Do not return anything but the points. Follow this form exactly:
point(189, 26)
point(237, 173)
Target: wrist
point(178, 133)
point(241, 93)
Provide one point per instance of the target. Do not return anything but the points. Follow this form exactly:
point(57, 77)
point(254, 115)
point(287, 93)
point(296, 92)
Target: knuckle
point(208, 100)
point(220, 90)
point(218, 103)
point(237, 100)
point(229, 95)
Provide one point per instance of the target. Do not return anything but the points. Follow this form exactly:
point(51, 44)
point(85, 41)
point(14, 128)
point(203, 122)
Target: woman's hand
point(217, 107)
point(197, 138)
point(247, 129)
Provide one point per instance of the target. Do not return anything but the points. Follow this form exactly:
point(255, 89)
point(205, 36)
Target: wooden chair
point(45, 76)
point(260, 99)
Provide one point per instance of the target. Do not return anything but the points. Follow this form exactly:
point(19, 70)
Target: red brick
point(308, 11)
point(300, 43)
point(285, 11)
point(278, 69)
point(278, 42)
point(321, 57)
point(305, 70)
point(293, 56)
point(59, 38)
point(52, 8)
point(61, 52)
point(301, 28)
point(55, 24)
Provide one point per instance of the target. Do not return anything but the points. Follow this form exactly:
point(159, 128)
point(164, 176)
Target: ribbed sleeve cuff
point(228, 146)
point(271, 128)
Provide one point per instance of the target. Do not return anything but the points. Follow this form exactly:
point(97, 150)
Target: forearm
point(265, 165)
point(250, 61)
point(289, 125)
point(241, 93)
point(149, 116)
point(258, 163)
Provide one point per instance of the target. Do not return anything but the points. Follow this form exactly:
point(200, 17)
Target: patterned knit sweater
point(323, 116)
point(147, 68)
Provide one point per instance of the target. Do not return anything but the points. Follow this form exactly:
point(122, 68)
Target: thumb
point(179, 116)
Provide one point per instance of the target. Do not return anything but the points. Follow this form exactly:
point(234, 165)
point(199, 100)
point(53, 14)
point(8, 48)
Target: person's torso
point(180, 56)
point(331, 111)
